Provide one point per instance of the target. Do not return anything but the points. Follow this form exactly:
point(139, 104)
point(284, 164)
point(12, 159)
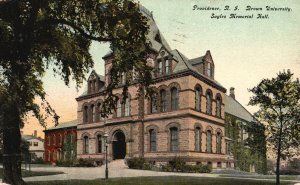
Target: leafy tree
point(279, 108)
point(37, 35)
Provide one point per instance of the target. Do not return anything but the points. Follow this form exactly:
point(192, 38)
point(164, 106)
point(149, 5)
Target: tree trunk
point(278, 156)
point(11, 149)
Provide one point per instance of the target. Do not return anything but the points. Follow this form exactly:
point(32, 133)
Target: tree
point(279, 108)
point(36, 35)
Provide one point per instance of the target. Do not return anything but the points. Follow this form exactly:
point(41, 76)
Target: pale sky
point(244, 50)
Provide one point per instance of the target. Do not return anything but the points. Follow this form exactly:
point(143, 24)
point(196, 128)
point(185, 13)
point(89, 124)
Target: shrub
point(83, 163)
point(177, 164)
point(147, 166)
point(38, 160)
point(166, 168)
point(201, 168)
point(136, 163)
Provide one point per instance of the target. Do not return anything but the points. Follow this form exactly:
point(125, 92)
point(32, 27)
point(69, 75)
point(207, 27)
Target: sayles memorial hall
point(185, 117)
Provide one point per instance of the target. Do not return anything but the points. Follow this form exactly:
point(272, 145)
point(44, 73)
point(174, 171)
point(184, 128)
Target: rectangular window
point(174, 139)
point(119, 109)
point(153, 103)
point(160, 67)
point(35, 144)
point(48, 140)
point(167, 66)
point(152, 140)
point(219, 165)
point(209, 69)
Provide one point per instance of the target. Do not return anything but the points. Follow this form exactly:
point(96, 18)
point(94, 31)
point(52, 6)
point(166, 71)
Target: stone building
point(185, 117)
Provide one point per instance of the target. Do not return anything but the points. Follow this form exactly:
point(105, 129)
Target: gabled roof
point(100, 77)
point(30, 137)
point(67, 124)
point(184, 65)
point(234, 108)
point(197, 60)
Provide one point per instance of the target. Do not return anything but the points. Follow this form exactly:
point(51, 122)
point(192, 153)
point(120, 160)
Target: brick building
point(184, 118)
point(60, 142)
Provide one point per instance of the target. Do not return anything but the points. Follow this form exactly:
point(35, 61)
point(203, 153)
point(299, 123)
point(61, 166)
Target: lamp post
point(106, 145)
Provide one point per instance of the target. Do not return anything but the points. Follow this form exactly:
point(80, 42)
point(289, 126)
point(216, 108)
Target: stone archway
point(119, 145)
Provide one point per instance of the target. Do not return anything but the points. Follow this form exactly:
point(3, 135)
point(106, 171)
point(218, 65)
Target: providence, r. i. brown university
point(184, 118)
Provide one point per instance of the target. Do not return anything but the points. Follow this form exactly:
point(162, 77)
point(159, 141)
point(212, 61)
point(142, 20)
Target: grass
point(33, 173)
point(168, 180)
point(282, 177)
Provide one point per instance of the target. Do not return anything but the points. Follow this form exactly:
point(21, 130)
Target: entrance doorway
point(119, 145)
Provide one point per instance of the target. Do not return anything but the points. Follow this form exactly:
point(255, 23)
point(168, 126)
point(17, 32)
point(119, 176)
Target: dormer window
point(209, 72)
point(160, 67)
point(167, 66)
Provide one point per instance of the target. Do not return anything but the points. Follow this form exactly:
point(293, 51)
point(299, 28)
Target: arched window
point(86, 145)
point(163, 101)
point(119, 108)
point(85, 114)
point(127, 107)
point(99, 144)
point(152, 134)
point(198, 98)
point(174, 139)
point(54, 140)
point(198, 139)
point(98, 110)
point(208, 141)
point(93, 114)
point(208, 102)
point(218, 106)
point(153, 104)
point(174, 98)
point(219, 142)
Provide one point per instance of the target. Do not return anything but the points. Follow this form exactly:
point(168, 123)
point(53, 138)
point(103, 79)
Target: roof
point(68, 124)
point(197, 60)
point(234, 108)
point(30, 137)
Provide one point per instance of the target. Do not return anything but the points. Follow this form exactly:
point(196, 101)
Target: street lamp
point(106, 145)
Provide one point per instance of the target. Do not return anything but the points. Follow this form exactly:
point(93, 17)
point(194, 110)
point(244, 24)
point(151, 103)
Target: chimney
point(231, 93)
point(35, 133)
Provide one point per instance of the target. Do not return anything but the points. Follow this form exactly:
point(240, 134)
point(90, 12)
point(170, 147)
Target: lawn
point(32, 173)
point(169, 180)
point(282, 177)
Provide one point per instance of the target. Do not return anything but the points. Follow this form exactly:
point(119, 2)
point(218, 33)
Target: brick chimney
point(35, 133)
point(231, 92)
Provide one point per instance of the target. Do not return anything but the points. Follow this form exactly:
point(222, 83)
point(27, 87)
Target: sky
point(244, 50)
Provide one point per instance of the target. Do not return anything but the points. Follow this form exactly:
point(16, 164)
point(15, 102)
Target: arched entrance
point(119, 145)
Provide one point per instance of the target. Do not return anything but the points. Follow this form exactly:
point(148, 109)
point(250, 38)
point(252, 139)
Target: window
point(208, 141)
point(174, 98)
point(208, 102)
point(48, 140)
point(209, 69)
point(152, 134)
point(167, 66)
point(60, 139)
point(85, 114)
point(153, 100)
point(219, 164)
point(86, 145)
point(174, 139)
point(93, 114)
point(198, 99)
point(160, 67)
point(54, 140)
point(30, 143)
point(198, 139)
point(119, 108)
point(98, 117)
point(99, 143)
point(127, 107)
point(219, 142)
point(218, 107)
point(49, 155)
point(163, 101)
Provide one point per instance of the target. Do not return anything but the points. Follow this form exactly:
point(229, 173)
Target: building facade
point(36, 145)
point(184, 118)
point(60, 142)
point(240, 129)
